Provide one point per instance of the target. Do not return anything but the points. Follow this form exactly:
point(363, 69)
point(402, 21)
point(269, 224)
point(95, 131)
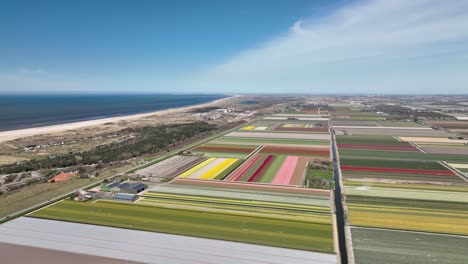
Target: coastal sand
point(20, 133)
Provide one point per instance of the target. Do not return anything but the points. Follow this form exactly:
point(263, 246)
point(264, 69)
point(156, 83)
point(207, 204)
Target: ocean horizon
point(29, 111)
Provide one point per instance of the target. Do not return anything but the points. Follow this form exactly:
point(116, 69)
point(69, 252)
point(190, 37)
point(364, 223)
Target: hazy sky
point(371, 46)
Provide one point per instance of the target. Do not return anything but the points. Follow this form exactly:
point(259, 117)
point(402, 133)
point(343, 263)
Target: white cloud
point(362, 45)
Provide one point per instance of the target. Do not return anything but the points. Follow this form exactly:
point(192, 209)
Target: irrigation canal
point(340, 220)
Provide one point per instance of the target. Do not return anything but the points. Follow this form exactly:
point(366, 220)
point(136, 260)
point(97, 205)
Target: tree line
point(147, 140)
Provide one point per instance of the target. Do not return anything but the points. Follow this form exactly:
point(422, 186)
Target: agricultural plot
point(235, 204)
point(398, 184)
point(254, 128)
point(374, 154)
point(392, 131)
point(301, 114)
point(459, 166)
point(388, 166)
point(450, 124)
point(414, 186)
point(209, 169)
point(403, 178)
point(106, 245)
point(296, 118)
point(404, 193)
point(355, 123)
point(409, 214)
point(170, 167)
point(377, 164)
point(273, 169)
point(310, 152)
point(272, 142)
point(265, 191)
point(259, 126)
point(444, 149)
point(316, 127)
point(285, 136)
point(391, 246)
point(224, 150)
point(379, 147)
point(392, 123)
point(443, 140)
point(231, 225)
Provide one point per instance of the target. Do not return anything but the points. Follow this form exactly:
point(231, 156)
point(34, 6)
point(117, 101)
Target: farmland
point(59, 239)
point(171, 166)
point(389, 246)
point(402, 195)
point(209, 169)
point(224, 150)
point(269, 135)
point(268, 182)
point(263, 156)
point(289, 231)
point(274, 169)
point(272, 141)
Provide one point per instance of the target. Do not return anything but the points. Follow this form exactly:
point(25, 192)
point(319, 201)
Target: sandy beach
point(27, 132)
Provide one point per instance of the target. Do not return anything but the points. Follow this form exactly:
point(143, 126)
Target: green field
point(320, 199)
point(316, 175)
point(273, 168)
point(402, 193)
point(256, 228)
point(405, 214)
point(388, 247)
point(319, 212)
point(389, 123)
point(400, 155)
point(433, 187)
point(400, 164)
point(370, 140)
point(221, 154)
point(264, 141)
point(404, 178)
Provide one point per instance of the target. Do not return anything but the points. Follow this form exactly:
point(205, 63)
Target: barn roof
point(112, 185)
point(125, 196)
point(138, 186)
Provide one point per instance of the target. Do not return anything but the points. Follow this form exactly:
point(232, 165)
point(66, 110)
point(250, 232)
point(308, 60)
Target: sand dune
point(20, 133)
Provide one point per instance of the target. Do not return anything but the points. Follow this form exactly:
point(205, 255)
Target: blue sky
point(346, 46)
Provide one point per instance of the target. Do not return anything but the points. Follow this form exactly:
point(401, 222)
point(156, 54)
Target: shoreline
point(33, 131)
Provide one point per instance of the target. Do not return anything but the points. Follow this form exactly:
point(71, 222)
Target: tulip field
point(405, 197)
point(264, 152)
point(273, 169)
point(224, 150)
point(209, 169)
point(248, 186)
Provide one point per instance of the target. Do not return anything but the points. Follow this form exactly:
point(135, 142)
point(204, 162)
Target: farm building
point(103, 195)
point(108, 187)
point(125, 197)
point(124, 187)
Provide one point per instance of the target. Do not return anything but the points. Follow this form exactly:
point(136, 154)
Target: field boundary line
point(454, 170)
point(416, 146)
point(410, 231)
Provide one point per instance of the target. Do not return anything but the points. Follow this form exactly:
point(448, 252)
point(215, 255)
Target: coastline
point(27, 132)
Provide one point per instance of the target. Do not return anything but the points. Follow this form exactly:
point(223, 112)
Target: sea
point(27, 111)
